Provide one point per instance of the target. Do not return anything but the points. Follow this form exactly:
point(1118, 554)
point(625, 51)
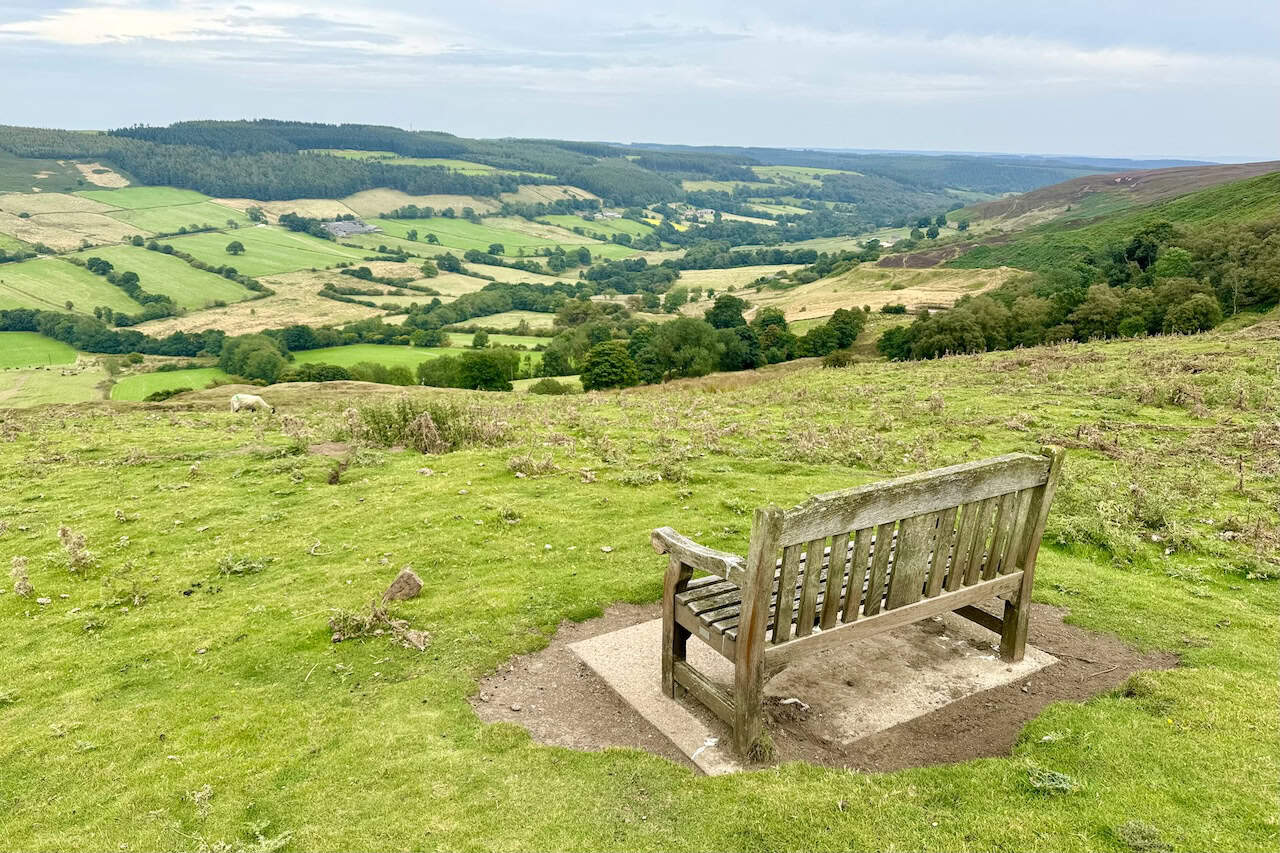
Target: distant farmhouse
point(349, 227)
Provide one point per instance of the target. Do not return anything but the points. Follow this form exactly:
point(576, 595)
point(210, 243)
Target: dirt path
point(562, 703)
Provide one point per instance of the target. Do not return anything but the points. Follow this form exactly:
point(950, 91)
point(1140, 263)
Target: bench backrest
point(903, 540)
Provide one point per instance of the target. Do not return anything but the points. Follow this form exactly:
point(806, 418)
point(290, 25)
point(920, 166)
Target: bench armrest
point(728, 566)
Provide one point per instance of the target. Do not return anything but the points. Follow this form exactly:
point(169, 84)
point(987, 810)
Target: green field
point(134, 198)
point(410, 357)
point(798, 174)
point(461, 234)
point(49, 283)
point(12, 244)
point(160, 273)
point(20, 389)
point(221, 551)
point(167, 220)
point(29, 349)
point(511, 319)
point(138, 386)
point(599, 226)
point(267, 250)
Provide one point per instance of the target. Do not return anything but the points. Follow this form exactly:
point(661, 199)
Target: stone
point(406, 585)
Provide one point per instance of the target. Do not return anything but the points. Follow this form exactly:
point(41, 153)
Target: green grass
point(49, 283)
point(167, 220)
point(461, 234)
point(134, 198)
point(29, 349)
point(139, 386)
point(1062, 242)
point(42, 386)
point(267, 250)
point(160, 273)
point(327, 742)
point(798, 174)
point(410, 357)
point(599, 226)
point(511, 319)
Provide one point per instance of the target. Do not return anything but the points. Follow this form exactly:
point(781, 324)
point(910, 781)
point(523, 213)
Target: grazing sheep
point(250, 402)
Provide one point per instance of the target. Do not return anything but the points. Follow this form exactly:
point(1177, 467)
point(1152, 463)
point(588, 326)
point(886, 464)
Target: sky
point(1119, 78)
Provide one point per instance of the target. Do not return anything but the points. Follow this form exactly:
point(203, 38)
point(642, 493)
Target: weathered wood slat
point(749, 649)
point(787, 580)
point(909, 496)
point(942, 545)
point(728, 566)
point(1012, 560)
point(836, 573)
point(1005, 509)
point(689, 596)
point(978, 547)
point(915, 543)
point(889, 619)
point(859, 567)
point(965, 531)
point(705, 691)
point(879, 568)
point(1017, 611)
point(807, 615)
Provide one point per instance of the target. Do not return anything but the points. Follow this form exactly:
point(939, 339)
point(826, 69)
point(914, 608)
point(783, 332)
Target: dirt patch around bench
point(562, 703)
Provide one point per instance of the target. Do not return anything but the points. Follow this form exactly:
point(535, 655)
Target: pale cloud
point(995, 74)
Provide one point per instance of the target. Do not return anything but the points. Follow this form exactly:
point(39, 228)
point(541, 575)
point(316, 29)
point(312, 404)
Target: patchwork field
point(410, 357)
point(187, 286)
point(50, 283)
point(167, 220)
point(798, 174)
point(29, 349)
point(462, 235)
point(737, 277)
point(267, 250)
point(140, 385)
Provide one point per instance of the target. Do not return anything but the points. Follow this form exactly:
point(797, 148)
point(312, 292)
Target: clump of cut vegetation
point(78, 556)
point(18, 574)
point(1142, 837)
point(1045, 781)
point(527, 465)
point(238, 565)
point(376, 622)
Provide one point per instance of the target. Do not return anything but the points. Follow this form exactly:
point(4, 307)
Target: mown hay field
point(168, 219)
point(219, 550)
point(134, 198)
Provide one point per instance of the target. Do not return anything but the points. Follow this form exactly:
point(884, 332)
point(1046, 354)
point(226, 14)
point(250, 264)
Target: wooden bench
point(952, 537)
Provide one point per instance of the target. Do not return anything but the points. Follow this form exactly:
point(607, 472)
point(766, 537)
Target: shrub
point(840, 358)
point(894, 308)
point(158, 396)
point(447, 425)
point(550, 386)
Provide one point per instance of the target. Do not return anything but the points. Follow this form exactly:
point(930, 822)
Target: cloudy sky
point(1107, 78)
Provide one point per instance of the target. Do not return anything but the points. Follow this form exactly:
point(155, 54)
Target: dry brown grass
point(66, 230)
point(319, 208)
point(878, 286)
point(33, 203)
point(550, 192)
point(373, 202)
point(295, 301)
point(96, 173)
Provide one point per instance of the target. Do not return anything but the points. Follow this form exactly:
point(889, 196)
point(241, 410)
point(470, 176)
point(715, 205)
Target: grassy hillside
point(49, 283)
point(1057, 244)
point(160, 273)
point(192, 664)
point(267, 250)
point(139, 386)
point(28, 349)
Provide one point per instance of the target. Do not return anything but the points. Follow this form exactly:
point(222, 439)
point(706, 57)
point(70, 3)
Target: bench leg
point(675, 637)
point(1013, 632)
